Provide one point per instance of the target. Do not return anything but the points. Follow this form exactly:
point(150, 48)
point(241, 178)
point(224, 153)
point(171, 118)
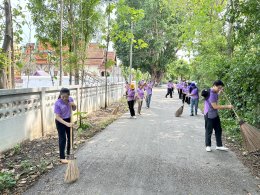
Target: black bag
point(205, 93)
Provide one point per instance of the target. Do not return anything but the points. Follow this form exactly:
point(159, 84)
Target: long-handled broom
point(179, 112)
point(250, 134)
point(72, 172)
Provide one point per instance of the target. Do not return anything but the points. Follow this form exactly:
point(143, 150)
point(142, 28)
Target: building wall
point(27, 114)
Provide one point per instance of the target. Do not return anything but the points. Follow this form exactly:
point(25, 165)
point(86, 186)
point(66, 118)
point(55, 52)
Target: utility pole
point(108, 39)
point(131, 54)
point(61, 21)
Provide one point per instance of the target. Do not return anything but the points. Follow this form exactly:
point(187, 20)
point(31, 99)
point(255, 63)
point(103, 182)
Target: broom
point(179, 112)
point(72, 172)
point(250, 134)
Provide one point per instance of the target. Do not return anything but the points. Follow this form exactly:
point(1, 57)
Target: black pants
point(131, 107)
point(63, 131)
point(183, 98)
point(180, 94)
point(187, 100)
point(211, 124)
point(169, 92)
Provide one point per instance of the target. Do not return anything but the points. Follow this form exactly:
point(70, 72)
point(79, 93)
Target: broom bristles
point(72, 172)
point(179, 112)
point(251, 137)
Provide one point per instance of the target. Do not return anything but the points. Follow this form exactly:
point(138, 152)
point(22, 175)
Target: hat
point(132, 86)
point(192, 85)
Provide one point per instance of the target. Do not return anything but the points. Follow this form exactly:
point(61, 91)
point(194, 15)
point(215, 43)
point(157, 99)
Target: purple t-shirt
point(149, 88)
point(194, 93)
point(208, 109)
point(130, 94)
point(140, 93)
point(170, 85)
point(63, 109)
point(185, 90)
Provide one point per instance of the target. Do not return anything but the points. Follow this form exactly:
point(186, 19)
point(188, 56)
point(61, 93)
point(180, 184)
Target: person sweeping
point(140, 97)
point(131, 100)
point(212, 120)
point(62, 109)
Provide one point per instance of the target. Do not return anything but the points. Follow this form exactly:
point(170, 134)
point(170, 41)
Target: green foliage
point(7, 180)
point(26, 165)
point(156, 34)
point(179, 68)
point(42, 166)
point(17, 149)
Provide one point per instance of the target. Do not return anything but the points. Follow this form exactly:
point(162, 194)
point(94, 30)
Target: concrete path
point(156, 153)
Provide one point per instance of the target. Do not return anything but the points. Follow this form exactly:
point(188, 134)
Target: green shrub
point(7, 180)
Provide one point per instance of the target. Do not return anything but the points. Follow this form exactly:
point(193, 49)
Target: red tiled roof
point(111, 55)
point(94, 62)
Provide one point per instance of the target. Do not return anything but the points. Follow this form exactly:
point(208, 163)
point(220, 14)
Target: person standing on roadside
point(169, 89)
point(140, 97)
point(62, 109)
point(149, 91)
point(194, 95)
point(184, 92)
point(212, 120)
point(131, 100)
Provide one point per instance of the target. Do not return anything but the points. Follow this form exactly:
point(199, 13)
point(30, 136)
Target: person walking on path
point(62, 109)
point(169, 89)
point(194, 94)
point(131, 100)
point(140, 97)
point(149, 91)
point(178, 87)
point(212, 120)
point(184, 92)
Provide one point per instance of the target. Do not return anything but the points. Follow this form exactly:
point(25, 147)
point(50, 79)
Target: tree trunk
point(7, 41)
point(230, 45)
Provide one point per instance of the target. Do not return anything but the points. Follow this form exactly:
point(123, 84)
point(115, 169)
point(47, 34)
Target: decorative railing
point(27, 114)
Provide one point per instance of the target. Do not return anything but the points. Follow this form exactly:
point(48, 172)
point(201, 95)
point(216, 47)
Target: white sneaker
point(223, 148)
point(208, 149)
point(134, 117)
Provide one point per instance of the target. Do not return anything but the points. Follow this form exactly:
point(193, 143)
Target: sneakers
point(208, 149)
point(223, 148)
point(134, 117)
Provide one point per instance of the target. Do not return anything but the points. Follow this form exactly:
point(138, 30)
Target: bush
point(7, 180)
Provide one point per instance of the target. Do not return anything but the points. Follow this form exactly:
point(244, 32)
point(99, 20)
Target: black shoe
point(191, 115)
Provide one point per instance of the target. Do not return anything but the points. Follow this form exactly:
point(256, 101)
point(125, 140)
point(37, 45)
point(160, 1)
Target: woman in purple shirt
point(62, 109)
point(212, 120)
point(169, 89)
point(131, 100)
point(149, 91)
point(194, 94)
point(140, 97)
point(184, 92)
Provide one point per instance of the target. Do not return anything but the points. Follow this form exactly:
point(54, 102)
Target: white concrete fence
point(27, 114)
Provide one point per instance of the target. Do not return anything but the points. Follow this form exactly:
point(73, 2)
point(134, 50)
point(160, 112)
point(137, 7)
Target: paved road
point(156, 153)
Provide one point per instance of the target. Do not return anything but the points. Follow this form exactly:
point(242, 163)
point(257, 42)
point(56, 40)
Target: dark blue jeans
point(194, 103)
point(148, 100)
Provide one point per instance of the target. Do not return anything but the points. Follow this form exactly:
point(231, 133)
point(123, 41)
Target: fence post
point(43, 111)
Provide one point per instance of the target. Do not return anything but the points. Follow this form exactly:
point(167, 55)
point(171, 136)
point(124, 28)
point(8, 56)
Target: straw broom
point(72, 172)
point(250, 134)
point(179, 112)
